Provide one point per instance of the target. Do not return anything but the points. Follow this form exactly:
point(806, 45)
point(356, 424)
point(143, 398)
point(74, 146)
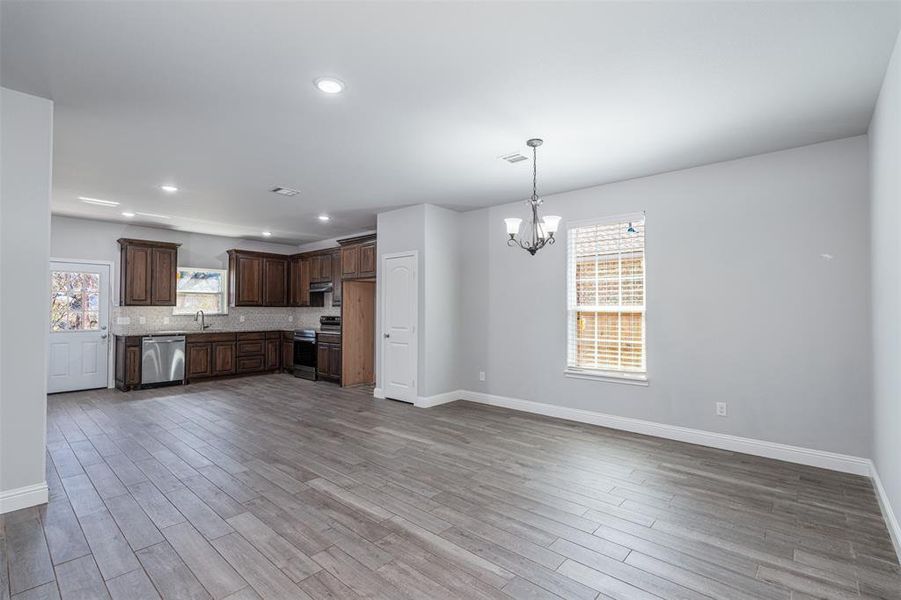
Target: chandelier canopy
point(538, 232)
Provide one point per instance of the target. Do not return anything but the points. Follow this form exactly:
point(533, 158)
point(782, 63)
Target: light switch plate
point(142, 320)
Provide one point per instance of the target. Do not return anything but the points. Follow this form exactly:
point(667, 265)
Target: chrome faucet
point(203, 324)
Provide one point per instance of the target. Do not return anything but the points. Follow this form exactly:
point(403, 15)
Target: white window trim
point(223, 293)
point(624, 377)
point(639, 378)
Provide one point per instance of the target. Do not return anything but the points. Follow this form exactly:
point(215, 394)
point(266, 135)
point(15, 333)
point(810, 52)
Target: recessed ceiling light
point(329, 85)
point(285, 191)
point(324, 218)
point(98, 201)
point(170, 189)
point(153, 216)
point(128, 214)
point(267, 233)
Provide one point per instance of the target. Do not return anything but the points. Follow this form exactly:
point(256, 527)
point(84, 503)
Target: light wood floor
point(276, 487)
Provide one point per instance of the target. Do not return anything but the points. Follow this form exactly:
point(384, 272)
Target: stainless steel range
point(305, 353)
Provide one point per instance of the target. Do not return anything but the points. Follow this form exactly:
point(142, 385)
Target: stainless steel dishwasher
point(163, 359)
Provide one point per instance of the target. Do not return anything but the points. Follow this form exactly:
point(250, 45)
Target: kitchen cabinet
point(198, 360)
point(224, 355)
point(128, 362)
point(337, 292)
point(273, 354)
point(299, 288)
point(287, 365)
point(257, 279)
point(275, 281)
point(147, 272)
point(328, 357)
point(358, 257)
point(321, 267)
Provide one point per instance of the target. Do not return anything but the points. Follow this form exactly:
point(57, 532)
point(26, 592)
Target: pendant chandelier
point(539, 232)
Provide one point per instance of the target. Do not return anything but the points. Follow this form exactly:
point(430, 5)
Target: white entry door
point(399, 318)
point(78, 357)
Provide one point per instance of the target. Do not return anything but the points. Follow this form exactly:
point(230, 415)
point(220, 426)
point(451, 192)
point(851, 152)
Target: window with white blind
point(606, 298)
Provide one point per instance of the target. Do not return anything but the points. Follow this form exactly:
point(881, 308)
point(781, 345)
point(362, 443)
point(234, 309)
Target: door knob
point(103, 336)
point(387, 335)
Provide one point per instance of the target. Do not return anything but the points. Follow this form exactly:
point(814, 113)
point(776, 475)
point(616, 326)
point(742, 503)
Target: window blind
point(606, 295)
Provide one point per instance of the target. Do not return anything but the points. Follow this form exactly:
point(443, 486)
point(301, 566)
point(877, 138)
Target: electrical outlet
point(290, 318)
point(241, 318)
point(142, 320)
point(481, 375)
point(123, 320)
point(165, 320)
point(721, 409)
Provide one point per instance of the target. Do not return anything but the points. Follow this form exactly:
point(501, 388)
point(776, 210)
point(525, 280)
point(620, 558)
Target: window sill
point(608, 376)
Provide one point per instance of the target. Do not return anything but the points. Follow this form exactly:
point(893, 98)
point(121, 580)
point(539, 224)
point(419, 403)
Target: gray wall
point(26, 123)
point(885, 190)
point(441, 303)
point(741, 306)
point(399, 231)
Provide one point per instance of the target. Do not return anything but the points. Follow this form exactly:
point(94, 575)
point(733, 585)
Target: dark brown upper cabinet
point(275, 281)
point(321, 267)
point(257, 279)
point(147, 272)
point(358, 257)
point(299, 283)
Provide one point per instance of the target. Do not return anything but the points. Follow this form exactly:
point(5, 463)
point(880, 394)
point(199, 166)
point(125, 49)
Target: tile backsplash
point(160, 318)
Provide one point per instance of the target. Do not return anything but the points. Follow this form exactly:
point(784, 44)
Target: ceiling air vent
point(285, 191)
point(514, 158)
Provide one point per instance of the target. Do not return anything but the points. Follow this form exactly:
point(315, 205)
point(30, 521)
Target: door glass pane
point(74, 301)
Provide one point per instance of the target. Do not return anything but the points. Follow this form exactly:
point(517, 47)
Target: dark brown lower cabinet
point(199, 361)
point(288, 352)
point(209, 355)
point(128, 362)
point(328, 357)
point(223, 358)
point(234, 353)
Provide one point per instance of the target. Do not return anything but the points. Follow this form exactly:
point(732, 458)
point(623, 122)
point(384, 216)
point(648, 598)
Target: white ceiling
point(218, 99)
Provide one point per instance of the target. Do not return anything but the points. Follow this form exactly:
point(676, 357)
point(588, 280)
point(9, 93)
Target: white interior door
point(78, 357)
point(399, 317)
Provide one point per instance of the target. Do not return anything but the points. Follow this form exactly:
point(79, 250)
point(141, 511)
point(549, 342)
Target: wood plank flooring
point(275, 487)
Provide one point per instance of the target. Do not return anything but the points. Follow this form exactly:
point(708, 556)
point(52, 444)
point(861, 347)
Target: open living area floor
point(266, 488)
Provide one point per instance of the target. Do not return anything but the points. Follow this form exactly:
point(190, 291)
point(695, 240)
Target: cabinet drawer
point(250, 335)
point(249, 364)
point(250, 347)
point(329, 338)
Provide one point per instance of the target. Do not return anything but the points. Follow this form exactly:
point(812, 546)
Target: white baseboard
point(23, 497)
point(891, 521)
point(378, 393)
point(430, 401)
point(795, 454)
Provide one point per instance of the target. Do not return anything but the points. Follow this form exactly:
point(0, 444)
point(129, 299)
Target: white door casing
point(400, 308)
point(78, 326)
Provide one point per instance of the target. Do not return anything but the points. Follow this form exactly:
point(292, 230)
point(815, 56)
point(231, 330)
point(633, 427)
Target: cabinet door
point(162, 276)
point(322, 358)
point(248, 281)
point(132, 365)
point(325, 267)
point(334, 361)
point(336, 279)
point(136, 276)
point(250, 364)
point(350, 261)
point(223, 358)
point(300, 282)
point(272, 354)
point(275, 282)
point(315, 268)
point(199, 360)
point(287, 354)
point(367, 260)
